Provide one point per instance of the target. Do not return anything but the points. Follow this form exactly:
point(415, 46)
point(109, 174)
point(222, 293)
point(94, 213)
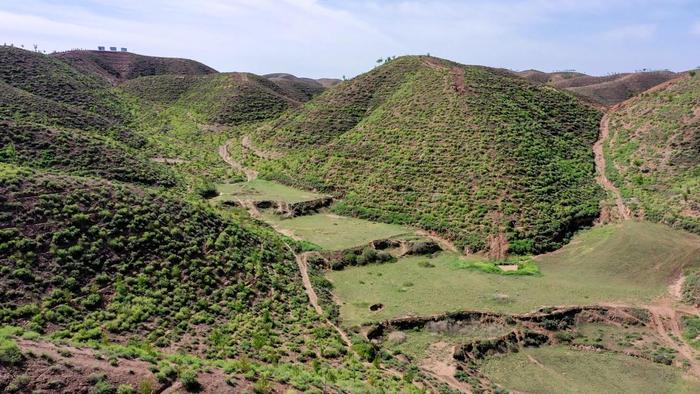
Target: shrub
point(125, 389)
point(367, 256)
point(207, 190)
point(103, 387)
point(188, 378)
point(10, 354)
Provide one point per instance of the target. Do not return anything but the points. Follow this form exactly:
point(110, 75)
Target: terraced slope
point(115, 67)
point(78, 153)
point(39, 87)
point(484, 158)
point(653, 154)
point(187, 118)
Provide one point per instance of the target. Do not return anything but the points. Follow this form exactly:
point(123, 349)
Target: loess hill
point(224, 99)
point(93, 262)
point(37, 88)
point(606, 90)
point(472, 153)
point(654, 153)
point(115, 67)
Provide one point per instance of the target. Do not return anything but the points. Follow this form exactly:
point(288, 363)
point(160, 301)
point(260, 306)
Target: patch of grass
point(691, 330)
point(262, 190)
point(628, 263)
point(525, 266)
point(334, 232)
point(562, 370)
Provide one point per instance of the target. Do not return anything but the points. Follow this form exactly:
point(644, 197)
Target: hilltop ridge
point(116, 67)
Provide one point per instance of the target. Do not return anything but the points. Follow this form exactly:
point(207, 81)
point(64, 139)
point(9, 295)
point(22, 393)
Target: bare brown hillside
point(116, 67)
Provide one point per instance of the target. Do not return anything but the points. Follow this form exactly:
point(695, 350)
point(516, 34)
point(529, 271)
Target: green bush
point(125, 389)
point(188, 378)
point(10, 353)
point(103, 387)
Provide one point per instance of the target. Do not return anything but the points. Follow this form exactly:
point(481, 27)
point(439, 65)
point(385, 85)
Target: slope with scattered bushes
point(56, 84)
point(77, 152)
point(84, 259)
point(115, 67)
point(472, 153)
point(653, 154)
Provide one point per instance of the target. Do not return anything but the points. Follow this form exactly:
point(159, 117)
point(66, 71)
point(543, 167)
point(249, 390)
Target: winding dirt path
point(665, 321)
point(440, 364)
point(601, 178)
point(301, 260)
point(299, 257)
point(250, 174)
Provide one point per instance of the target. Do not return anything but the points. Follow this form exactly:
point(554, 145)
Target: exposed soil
point(441, 365)
point(602, 179)
point(54, 368)
point(250, 174)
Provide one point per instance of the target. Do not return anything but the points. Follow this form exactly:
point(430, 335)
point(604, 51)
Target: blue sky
point(331, 38)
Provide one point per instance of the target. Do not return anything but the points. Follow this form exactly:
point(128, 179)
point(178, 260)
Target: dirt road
point(601, 178)
point(250, 174)
point(301, 260)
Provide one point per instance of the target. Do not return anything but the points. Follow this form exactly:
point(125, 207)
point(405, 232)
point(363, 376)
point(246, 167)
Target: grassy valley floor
point(564, 370)
point(623, 263)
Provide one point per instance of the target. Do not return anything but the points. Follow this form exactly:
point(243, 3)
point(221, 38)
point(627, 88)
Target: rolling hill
point(226, 98)
point(116, 67)
point(40, 88)
point(654, 152)
point(302, 89)
point(606, 90)
point(470, 152)
point(78, 153)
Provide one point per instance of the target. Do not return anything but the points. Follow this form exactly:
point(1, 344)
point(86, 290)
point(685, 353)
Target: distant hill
point(605, 90)
point(609, 91)
point(654, 151)
point(470, 152)
point(225, 98)
point(38, 87)
point(115, 67)
point(302, 89)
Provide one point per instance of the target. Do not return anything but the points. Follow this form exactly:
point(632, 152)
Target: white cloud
point(631, 32)
point(333, 37)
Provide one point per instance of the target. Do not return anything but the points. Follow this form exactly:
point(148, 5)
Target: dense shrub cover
point(77, 152)
point(89, 260)
point(466, 151)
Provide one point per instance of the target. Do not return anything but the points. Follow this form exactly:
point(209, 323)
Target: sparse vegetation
point(653, 154)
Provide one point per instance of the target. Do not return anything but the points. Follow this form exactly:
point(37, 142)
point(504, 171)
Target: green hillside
point(77, 152)
point(469, 152)
point(653, 153)
point(82, 255)
point(229, 98)
point(53, 80)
